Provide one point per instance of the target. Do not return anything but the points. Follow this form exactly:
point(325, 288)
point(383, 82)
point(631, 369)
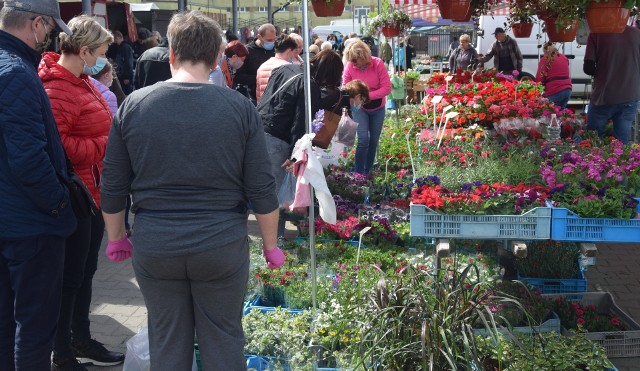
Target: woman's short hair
point(86, 32)
point(355, 87)
point(357, 50)
point(326, 46)
point(284, 42)
point(326, 68)
point(235, 47)
point(194, 37)
point(465, 37)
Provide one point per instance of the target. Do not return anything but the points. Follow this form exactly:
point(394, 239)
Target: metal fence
point(435, 43)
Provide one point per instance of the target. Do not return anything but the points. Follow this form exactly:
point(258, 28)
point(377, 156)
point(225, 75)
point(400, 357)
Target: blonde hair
point(194, 37)
point(326, 46)
point(550, 47)
point(465, 37)
point(86, 32)
point(357, 50)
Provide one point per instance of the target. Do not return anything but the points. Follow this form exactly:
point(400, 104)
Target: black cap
point(498, 30)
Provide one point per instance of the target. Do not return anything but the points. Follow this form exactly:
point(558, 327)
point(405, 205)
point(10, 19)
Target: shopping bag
point(347, 128)
point(137, 356)
point(287, 192)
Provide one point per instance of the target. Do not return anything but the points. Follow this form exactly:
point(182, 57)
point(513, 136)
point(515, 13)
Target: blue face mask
point(268, 45)
point(355, 108)
point(95, 69)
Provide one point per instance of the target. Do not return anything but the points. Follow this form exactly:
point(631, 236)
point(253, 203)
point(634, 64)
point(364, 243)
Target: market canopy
point(428, 10)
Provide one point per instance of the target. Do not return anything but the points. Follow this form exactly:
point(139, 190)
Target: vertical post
point(86, 7)
point(234, 16)
point(269, 15)
point(182, 5)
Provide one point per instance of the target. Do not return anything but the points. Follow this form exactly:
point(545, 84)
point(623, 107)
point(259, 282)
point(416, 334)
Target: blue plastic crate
point(532, 225)
point(260, 363)
point(558, 286)
point(568, 226)
point(256, 303)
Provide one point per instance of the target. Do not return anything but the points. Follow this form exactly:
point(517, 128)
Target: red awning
point(428, 9)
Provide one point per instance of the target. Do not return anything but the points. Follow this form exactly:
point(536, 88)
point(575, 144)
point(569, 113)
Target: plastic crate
point(618, 344)
point(260, 363)
point(550, 325)
point(532, 225)
point(568, 226)
point(256, 302)
point(558, 286)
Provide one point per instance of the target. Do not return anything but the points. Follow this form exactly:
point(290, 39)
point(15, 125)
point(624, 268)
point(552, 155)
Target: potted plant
point(390, 22)
point(520, 19)
point(609, 16)
point(454, 9)
point(328, 8)
point(561, 18)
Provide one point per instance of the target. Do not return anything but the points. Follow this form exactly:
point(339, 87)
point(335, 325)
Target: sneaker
point(92, 352)
point(67, 364)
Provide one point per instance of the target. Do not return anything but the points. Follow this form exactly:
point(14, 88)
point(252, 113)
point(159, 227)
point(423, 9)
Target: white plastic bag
point(137, 357)
point(346, 133)
point(287, 192)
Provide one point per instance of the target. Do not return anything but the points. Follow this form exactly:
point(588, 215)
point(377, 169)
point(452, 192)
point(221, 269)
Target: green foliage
point(549, 259)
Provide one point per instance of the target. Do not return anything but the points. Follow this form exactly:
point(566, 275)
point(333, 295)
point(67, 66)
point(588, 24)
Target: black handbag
point(373, 104)
point(81, 200)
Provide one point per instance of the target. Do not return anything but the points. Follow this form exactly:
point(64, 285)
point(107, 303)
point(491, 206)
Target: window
point(361, 11)
point(262, 9)
point(242, 9)
point(297, 9)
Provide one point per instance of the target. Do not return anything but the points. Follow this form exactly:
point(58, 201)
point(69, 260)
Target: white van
point(531, 49)
point(339, 26)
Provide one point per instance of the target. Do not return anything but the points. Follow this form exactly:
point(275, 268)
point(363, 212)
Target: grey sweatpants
point(201, 292)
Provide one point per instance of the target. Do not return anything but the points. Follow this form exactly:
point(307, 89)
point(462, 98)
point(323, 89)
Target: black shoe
point(92, 352)
point(67, 364)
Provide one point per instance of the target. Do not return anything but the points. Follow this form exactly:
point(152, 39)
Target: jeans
point(202, 292)
point(621, 114)
point(369, 129)
point(279, 152)
point(560, 99)
point(30, 288)
point(80, 265)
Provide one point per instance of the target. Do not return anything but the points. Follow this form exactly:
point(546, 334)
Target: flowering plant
point(349, 185)
point(585, 318)
point(389, 19)
point(594, 182)
point(481, 199)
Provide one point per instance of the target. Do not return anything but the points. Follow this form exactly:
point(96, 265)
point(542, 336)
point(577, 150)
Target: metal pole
point(182, 5)
point(308, 113)
point(234, 15)
point(269, 15)
point(86, 7)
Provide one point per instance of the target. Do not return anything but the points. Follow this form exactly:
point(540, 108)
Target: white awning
point(145, 7)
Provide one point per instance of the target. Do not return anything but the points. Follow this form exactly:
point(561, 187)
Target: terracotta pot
point(454, 9)
point(565, 34)
point(467, 17)
point(390, 31)
point(522, 29)
point(323, 9)
point(607, 17)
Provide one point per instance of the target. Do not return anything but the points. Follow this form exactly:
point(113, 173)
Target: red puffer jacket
point(82, 116)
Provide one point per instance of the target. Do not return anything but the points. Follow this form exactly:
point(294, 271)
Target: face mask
point(268, 45)
point(290, 60)
point(220, 60)
point(355, 108)
point(41, 46)
point(95, 69)
point(332, 42)
point(362, 68)
point(236, 64)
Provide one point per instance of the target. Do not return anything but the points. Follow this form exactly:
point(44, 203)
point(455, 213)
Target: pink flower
point(581, 321)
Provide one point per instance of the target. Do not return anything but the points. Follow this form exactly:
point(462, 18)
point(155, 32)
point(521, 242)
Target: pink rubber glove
point(274, 257)
point(119, 250)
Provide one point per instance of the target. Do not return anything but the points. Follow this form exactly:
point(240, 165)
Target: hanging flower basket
point(454, 9)
point(565, 32)
point(467, 17)
point(333, 8)
point(522, 29)
point(390, 31)
point(607, 17)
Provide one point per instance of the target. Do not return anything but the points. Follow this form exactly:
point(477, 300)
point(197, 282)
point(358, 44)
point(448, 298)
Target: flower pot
point(565, 33)
point(390, 31)
point(522, 29)
point(467, 16)
point(607, 17)
point(454, 9)
point(322, 8)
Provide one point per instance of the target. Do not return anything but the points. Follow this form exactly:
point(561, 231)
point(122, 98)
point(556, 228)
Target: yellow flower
point(332, 333)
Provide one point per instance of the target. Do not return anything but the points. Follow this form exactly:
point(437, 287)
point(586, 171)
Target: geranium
point(585, 317)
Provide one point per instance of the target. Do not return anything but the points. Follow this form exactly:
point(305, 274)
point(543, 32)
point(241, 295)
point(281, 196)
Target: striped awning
point(428, 9)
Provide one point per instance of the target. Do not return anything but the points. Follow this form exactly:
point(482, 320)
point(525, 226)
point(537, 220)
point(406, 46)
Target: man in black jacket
point(153, 66)
point(35, 214)
point(260, 51)
point(122, 54)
